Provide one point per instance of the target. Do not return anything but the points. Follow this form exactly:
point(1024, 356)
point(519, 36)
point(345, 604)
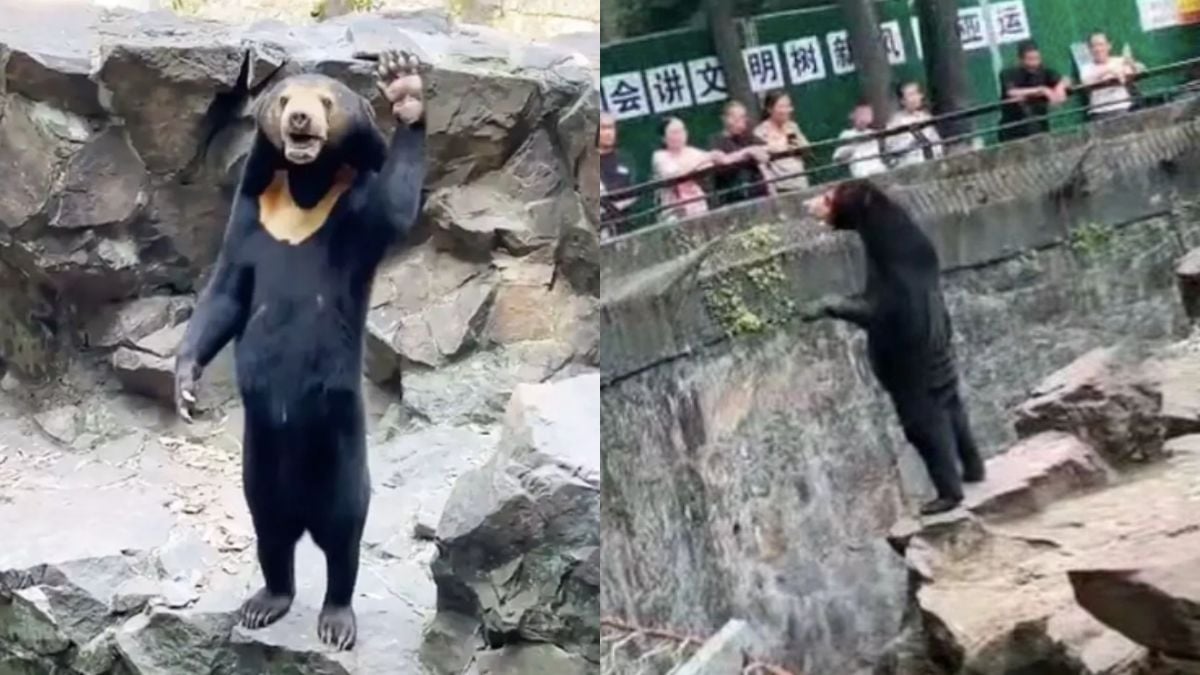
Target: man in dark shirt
point(615, 175)
point(738, 175)
point(1029, 88)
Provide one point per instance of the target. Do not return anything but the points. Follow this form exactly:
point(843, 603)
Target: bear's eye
point(283, 101)
point(327, 102)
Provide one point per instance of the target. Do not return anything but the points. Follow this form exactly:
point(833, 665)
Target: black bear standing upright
point(321, 198)
point(908, 332)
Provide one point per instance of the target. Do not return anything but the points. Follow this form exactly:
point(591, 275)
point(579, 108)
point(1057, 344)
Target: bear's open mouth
point(302, 148)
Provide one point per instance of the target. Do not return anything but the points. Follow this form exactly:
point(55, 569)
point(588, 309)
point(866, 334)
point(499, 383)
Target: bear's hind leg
point(340, 541)
point(276, 556)
point(339, 535)
point(927, 426)
point(964, 440)
point(277, 527)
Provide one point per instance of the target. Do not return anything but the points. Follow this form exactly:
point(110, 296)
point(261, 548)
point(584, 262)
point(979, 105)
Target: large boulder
point(1176, 373)
point(61, 79)
point(519, 537)
point(1035, 472)
point(147, 368)
point(29, 162)
point(1158, 607)
point(1104, 398)
point(125, 323)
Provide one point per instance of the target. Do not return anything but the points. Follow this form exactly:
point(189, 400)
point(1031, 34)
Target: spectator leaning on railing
point(740, 157)
point(1029, 88)
point(920, 143)
point(615, 175)
point(865, 154)
point(1115, 97)
point(677, 158)
point(781, 133)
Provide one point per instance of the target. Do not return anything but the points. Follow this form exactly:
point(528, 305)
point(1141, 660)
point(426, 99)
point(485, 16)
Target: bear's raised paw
point(400, 82)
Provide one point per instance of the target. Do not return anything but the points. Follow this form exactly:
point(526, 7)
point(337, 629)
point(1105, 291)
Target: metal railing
point(651, 187)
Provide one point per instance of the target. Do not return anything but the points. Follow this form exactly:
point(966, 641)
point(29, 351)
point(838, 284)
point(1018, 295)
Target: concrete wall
point(753, 467)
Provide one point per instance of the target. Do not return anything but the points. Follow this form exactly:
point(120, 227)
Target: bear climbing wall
point(750, 460)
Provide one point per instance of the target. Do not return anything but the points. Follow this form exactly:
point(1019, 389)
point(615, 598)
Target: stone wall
point(122, 136)
point(753, 467)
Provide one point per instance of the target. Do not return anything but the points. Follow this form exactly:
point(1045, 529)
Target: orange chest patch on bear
point(290, 223)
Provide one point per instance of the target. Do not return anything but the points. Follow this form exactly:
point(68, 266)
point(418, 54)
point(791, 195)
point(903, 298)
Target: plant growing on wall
point(1091, 240)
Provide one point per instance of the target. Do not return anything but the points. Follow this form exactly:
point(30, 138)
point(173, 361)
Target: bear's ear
point(366, 110)
point(866, 196)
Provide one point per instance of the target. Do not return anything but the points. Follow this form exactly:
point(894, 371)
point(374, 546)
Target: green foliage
point(752, 297)
point(186, 6)
point(1091, 240)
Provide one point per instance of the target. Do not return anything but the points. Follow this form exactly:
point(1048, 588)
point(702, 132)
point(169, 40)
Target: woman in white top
point(677, 158)
point(1115, 98)
point(864, 154)
point(921, 143)
point(780, 133)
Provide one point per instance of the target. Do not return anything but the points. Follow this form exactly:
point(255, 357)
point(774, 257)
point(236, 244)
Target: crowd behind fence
point(617, 221)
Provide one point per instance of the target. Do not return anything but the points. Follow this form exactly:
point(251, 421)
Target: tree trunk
point(870, 57)
point(723, 27)
point(945, 62)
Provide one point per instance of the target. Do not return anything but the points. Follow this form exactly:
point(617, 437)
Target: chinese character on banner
point(668, 87)
point(804, 60)
point(1009, 23)
point(624, 95)
point(916, 30)
point(839, 52)
point(762, 64)
point(972, 31)
point(893, 42)
point(708, 80)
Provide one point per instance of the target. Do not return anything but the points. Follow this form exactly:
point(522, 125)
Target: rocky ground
point(126, 541)
point(1081, 551)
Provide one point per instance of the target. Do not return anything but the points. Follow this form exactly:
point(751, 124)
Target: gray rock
point(163, 87)
point(63, 424)
point(517, 533)
point(536, 170)
point(168, 642)
point(535, 659)
point(103, 183)
point(60, 79)
point(1104, 400)
point(524, 312)
point(471, 220)
point(577, 128)
point(476, 121)
point(1035, 472)
point(147, 368)
point(1158, 607)
point(181, 233)
point(449, 642)
point(578, 256)
point(427, 306)
point(721, 654)
point(443, 330)
point(28, 161)
point(475, 390)
point(1176, 370)
point(129, 322)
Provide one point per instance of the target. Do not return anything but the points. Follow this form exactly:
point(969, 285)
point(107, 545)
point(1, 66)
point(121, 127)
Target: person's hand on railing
point(759, 153)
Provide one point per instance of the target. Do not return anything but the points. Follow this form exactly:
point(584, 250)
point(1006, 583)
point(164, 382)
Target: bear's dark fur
point(908, 333)
point(291, 286)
